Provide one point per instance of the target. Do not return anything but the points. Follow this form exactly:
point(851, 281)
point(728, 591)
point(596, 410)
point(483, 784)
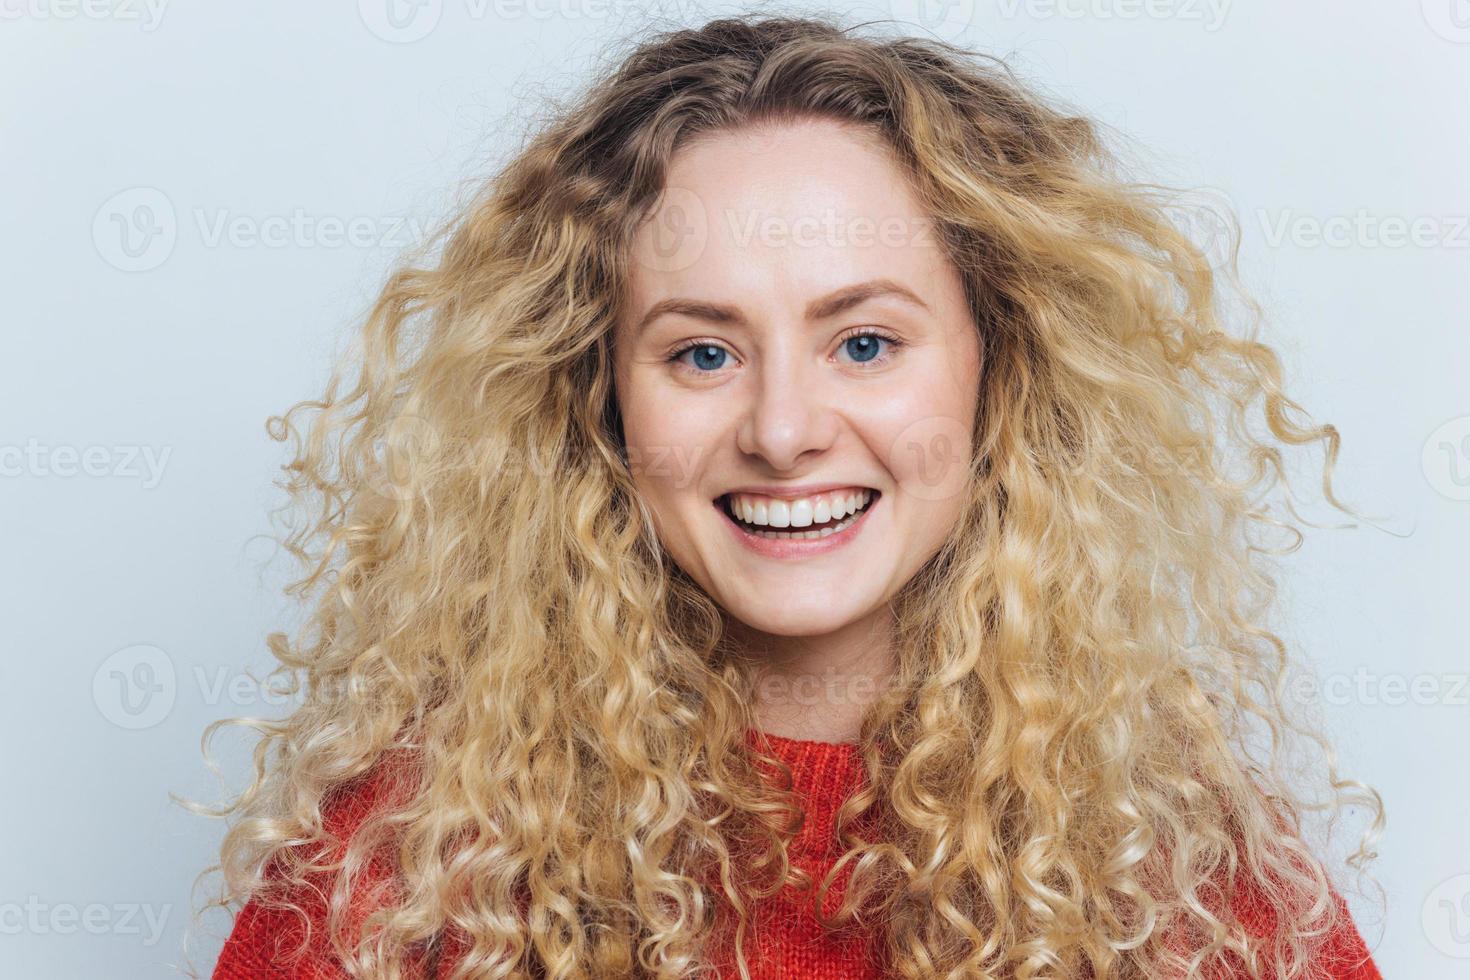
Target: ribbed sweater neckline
point(823, 775)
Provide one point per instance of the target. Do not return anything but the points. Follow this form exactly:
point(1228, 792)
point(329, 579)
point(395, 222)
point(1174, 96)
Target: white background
point(1332, 127)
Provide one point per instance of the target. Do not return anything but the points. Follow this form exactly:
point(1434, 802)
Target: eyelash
point(893, 342)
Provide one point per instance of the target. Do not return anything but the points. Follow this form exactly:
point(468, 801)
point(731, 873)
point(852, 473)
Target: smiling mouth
point(782, 520)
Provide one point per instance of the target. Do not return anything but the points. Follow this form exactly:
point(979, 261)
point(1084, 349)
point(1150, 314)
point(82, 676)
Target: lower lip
point(796, 547)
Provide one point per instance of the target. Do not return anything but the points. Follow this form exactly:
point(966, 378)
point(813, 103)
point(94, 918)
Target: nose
point(789, 417)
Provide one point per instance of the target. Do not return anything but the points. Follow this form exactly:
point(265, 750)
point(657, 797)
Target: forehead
point(796, 208)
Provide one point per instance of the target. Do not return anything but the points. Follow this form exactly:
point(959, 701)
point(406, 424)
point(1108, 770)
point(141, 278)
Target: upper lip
point(793, 492)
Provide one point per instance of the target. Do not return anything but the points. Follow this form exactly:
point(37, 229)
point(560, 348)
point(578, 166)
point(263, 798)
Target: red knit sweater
point(784, 943)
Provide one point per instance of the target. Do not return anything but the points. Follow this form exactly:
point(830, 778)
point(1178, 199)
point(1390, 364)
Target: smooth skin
point(771, 254)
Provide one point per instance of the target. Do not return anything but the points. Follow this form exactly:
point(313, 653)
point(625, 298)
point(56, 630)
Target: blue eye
point(867, 347)
point(863, 346)
point(707, 357)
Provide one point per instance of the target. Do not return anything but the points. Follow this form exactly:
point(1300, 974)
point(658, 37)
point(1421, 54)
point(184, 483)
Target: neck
point(819, 687)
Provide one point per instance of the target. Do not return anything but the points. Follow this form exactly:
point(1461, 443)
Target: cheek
point(667, 447)
point(923, 435)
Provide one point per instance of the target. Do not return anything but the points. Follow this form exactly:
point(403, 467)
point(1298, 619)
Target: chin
point(781, 617)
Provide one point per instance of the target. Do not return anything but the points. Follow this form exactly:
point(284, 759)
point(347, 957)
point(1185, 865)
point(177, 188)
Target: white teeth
point(800, 512)
point(813, 535)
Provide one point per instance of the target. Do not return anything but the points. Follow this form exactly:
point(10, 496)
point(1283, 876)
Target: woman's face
point(795, 345)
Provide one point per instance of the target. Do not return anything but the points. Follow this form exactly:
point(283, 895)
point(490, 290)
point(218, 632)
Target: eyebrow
point(834, 303)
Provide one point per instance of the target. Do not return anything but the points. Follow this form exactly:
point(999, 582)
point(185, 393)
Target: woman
point(801, 526)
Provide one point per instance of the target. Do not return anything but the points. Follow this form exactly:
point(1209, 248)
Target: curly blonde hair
point(1085, 747)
